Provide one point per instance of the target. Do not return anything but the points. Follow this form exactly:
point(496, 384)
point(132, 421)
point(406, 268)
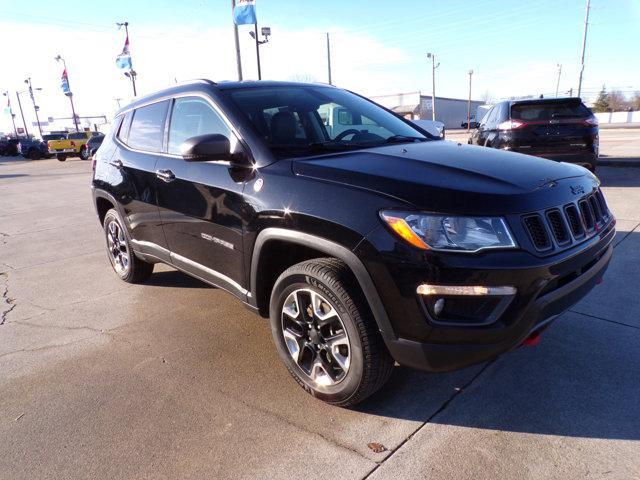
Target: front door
point(200, 203)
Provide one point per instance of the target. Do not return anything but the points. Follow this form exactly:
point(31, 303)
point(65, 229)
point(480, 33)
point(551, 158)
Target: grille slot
point(587, 214)
point(603, 203)
point(595, 207)
point(574, 220)
point(537, 232)
point(558, 227)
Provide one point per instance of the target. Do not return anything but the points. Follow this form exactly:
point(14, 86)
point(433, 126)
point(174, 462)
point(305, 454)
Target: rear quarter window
point(147, 127)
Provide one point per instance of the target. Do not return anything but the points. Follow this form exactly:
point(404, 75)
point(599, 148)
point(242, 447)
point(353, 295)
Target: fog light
point(463, 290)
point(438, 306)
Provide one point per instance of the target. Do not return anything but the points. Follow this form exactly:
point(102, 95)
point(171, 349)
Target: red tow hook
point(532, 340)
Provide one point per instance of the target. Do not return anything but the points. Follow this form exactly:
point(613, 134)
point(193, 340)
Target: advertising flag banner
point(124, 59)
point(64, 83)
point(244, 13)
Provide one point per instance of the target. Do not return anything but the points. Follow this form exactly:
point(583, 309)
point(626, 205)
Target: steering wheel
point(341, 135)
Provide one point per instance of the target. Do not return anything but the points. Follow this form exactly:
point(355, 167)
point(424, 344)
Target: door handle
point(165, 175)
point(117, 163)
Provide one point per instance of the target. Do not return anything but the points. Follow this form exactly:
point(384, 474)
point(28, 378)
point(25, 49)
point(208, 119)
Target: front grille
point(537, 232)
point(561, 227)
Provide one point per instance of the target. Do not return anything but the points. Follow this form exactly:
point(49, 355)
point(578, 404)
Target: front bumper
point(546, 288)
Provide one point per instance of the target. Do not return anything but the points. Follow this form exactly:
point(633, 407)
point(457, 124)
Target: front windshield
point(307, 120)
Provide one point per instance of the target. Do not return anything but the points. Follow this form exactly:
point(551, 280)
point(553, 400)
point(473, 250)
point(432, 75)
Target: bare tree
point(635, 101)
point(303, 78)
point(487, 97)
point(617, 101)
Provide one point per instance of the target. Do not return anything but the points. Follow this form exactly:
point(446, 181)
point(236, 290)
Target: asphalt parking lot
point(174, 379)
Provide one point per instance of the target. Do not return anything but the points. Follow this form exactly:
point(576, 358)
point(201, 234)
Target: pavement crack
point(8, 303)
point(443, 407)
point(605, 319)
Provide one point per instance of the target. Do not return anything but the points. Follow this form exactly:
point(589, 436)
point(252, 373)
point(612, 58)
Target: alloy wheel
point(117, 247)
point(315, 337)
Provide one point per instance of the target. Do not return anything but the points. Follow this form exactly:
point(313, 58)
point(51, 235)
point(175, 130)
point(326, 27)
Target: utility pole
point(13, 117)
point(469, 103)
point(69, 93)
point(584, 47)
point(329, 58)
point(558, 82)
point(237, 40)
point(432, 56)
point(26, 130)
point(35, 107)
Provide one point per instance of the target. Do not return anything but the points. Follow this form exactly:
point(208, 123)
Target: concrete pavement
point(174, 379)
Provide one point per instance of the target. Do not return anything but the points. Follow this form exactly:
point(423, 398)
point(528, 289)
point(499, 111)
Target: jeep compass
point(364, 239)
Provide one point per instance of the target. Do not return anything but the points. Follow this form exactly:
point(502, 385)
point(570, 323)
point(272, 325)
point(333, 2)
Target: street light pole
point(13, 117)
point(237, 40)
point(329, 58)
point(469, 103)
point(432, 56)
point(584, 47)
point(26, 130)
point(558, 82)
point(35, 107)
point(266, 31)
point(69, 94)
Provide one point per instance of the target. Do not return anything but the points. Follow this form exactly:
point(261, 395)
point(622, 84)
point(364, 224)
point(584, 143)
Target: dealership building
point(414, 106)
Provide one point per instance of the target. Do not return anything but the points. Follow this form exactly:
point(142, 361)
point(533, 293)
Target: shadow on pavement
point(14, 175)
point(175, 279)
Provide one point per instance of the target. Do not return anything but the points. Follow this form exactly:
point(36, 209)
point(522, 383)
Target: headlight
point(448, 232)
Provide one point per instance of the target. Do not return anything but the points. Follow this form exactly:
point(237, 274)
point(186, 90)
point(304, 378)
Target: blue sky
point(378, 46)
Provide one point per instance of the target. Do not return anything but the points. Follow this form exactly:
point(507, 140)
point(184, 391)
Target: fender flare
point(332, 249)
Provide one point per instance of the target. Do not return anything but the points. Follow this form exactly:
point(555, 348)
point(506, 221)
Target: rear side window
point(123, 132)
point(549, 111)
point(193, 116)
point(147, 127)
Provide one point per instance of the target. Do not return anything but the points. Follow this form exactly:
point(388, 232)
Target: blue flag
point(124, 59)
point(64, 83)
point(244, 12)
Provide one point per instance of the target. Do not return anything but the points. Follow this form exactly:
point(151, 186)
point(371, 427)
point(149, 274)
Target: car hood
point(449, 177)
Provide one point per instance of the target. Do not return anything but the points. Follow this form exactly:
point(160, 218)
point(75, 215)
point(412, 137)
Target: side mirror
point(212, 147)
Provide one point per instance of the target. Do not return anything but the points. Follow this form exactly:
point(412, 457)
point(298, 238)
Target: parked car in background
point(561, 129)
point(34, 148)
point(9, 146)
point(70, 146)
point(364, 247)
point(89, 149)
point(435, 128)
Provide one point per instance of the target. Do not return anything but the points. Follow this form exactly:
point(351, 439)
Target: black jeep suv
point(363, 238)
point(561, 129)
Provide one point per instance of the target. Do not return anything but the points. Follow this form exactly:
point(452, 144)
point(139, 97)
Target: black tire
point(135, 270)
point(370, 364)
point(84, 154)
point(33, 154)
point(61, 158)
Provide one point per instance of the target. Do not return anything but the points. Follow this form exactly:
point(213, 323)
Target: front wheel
point(325, 333)
point(84, 154)
point(124, 262)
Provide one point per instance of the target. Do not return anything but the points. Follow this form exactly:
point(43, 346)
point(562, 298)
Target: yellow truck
point(70, 145)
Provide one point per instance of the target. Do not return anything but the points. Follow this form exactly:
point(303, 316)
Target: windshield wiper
point(404, 138)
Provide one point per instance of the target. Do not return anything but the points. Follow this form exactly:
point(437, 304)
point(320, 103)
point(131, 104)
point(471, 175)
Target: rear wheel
point(325, 333)
point(84, 153)
point(33, 154)
point(124, 262)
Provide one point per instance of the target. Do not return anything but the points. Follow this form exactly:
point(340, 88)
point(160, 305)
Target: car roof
point(531, 101)
point(206, 85)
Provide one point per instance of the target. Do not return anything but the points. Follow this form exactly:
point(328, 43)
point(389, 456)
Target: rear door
point(201, 204)
point(554, 127)
point(134, 180)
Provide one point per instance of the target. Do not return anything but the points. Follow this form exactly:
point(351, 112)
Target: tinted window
point(303, 120)
point(77, 136)
point(549, 111)
point(123, 132)
point(147, 127)
point(193, 116)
